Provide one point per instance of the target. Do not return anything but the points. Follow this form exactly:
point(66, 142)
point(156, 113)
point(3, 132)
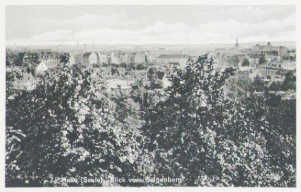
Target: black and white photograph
point(132, 95)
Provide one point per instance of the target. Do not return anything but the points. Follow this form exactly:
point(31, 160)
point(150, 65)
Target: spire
point(236, 44)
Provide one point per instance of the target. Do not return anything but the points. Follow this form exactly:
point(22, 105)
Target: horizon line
point(135, 44)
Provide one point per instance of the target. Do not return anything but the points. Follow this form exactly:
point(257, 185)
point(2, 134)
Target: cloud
point(92, 21)
point(223, 26)
point(54, 36)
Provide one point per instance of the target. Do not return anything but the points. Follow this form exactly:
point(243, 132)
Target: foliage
point(275, 86)
point(258, 85)
point(245, 62)
point(234, 60)
point(33, 58)
point(154, 78)
point(64, 58)
point(70, 125)
point(12, 76)
point(208, 140)
point(289, 81)
point(70, 131)
point(13, 58)
point(14, 139)
point(141, 66)
point(290, 57)
point(262, 59)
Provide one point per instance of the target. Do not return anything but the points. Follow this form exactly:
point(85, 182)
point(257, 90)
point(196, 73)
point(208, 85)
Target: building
point(115, 58)
point(175, 59)
point(103, 58)
point(26, 83)
point(90, 58)
point(125, 58)
point(50, 59)
point(269, 49)
point(140, 58)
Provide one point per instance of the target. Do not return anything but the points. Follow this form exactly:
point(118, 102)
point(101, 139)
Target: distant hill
point(201, 47)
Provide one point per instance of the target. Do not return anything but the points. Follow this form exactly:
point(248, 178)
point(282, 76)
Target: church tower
point(236, 43)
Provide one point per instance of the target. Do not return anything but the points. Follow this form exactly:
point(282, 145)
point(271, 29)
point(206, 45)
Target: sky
point(149, 24)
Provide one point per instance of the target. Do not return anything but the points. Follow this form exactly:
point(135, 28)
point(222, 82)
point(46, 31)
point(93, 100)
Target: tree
point(140, 66)
point(12, 76)
point(179, 127)
point(209, 140)
point(234, 60)
point(245, 62)
point(70, 130)
point(289, 81)
point(275, 86)
point(9, 58)
point(279, 136)
point(32, 60)
point(262, 59)
point(258, 84)
point(154, 78)
point(18, 59)
point(65, 58)
point(68, 127)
